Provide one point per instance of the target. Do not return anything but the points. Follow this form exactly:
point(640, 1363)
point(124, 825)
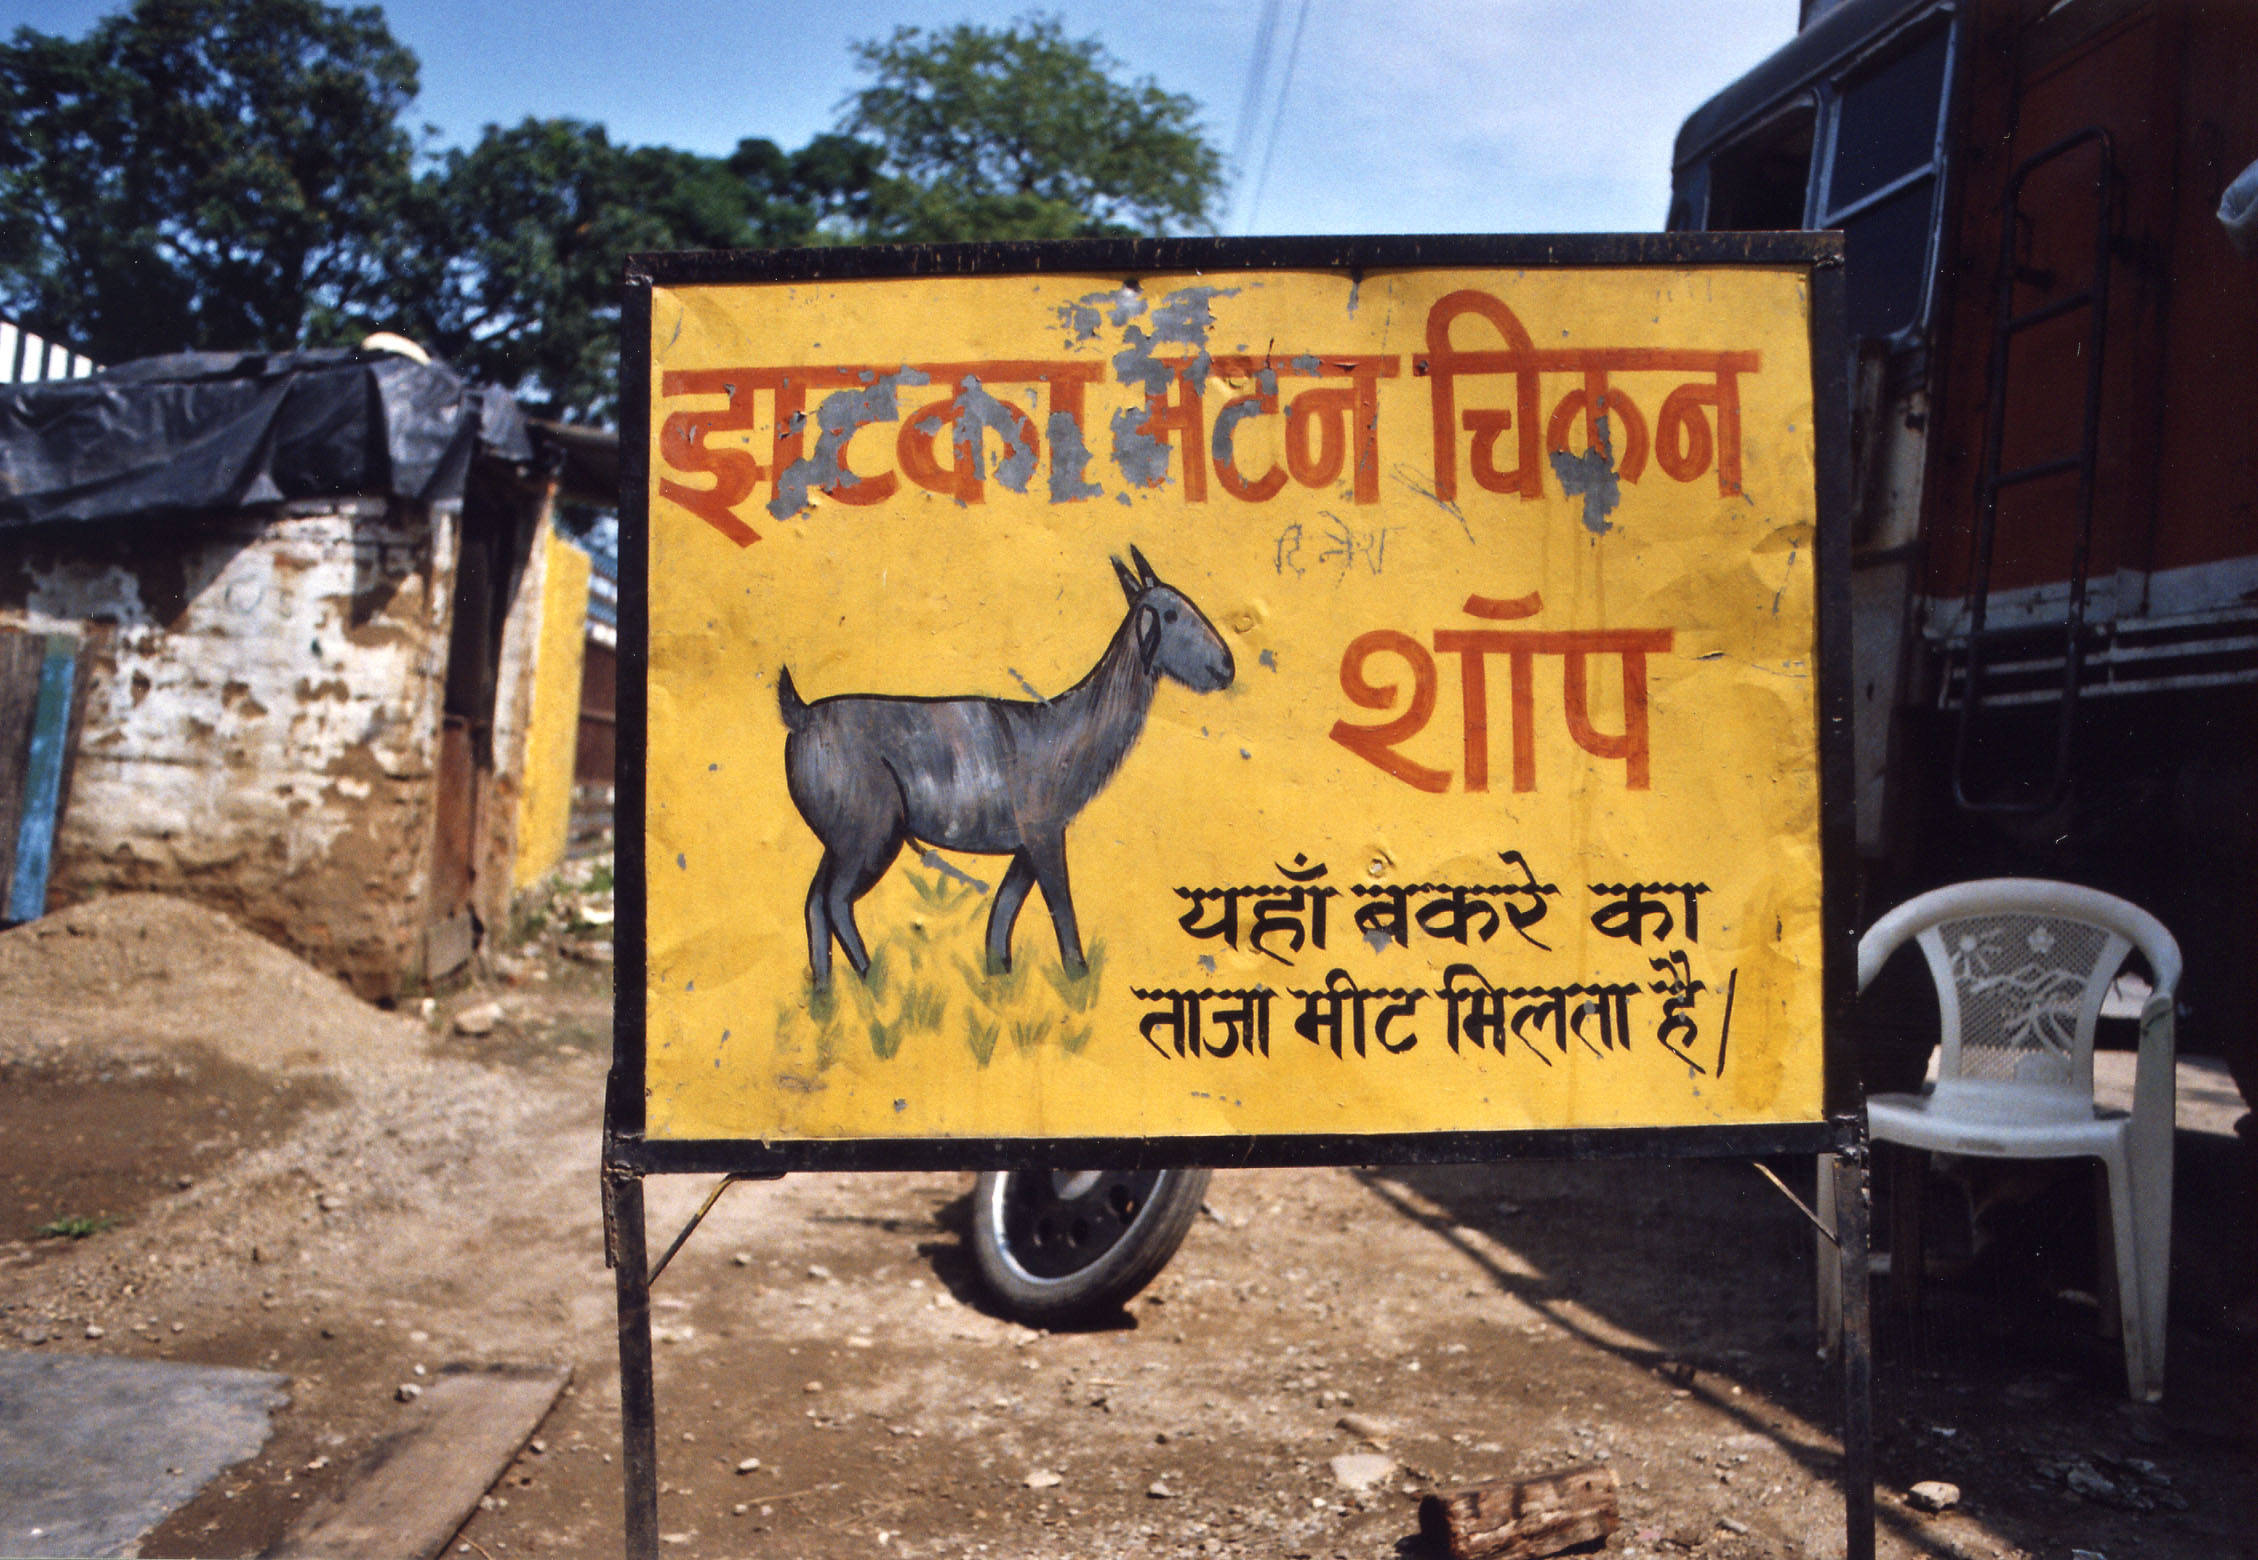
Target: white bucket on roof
point(387, 341)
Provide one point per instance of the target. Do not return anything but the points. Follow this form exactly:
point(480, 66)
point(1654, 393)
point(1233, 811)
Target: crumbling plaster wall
point(262, 720)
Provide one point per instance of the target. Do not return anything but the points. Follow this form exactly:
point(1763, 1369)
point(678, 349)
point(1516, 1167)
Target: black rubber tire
point(1059, 1246)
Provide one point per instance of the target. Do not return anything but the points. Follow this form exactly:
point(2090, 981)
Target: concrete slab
point(2205, 1101)
point(95, 1451)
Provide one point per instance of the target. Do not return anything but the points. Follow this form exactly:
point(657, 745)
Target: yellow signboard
point(1231, 704)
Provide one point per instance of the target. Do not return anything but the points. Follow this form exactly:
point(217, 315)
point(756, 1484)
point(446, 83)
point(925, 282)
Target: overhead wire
point(1250, 95)
point(1277, 116)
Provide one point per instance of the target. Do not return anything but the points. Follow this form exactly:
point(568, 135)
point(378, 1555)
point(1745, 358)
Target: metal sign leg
point(1853, 1214)
point(638, 1404)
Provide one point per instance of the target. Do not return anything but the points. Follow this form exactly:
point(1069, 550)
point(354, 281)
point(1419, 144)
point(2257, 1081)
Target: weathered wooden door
point(41, 676)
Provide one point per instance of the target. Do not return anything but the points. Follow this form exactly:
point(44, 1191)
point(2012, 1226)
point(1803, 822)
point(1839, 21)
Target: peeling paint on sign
point(841, 415)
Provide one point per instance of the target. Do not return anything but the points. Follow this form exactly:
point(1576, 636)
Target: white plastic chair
point(2021, 966)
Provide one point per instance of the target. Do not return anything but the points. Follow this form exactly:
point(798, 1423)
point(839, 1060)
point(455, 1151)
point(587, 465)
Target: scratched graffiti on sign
point(1395, 691)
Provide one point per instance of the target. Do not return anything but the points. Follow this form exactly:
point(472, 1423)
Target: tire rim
point(1053, 1225)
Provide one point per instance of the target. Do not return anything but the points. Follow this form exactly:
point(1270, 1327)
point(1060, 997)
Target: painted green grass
point(928, 982)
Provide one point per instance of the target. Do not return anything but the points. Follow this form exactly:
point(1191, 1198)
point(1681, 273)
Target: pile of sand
point(135, 972)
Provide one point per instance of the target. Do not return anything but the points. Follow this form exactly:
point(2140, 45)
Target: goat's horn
point(1144, 569)
point(1129, 584)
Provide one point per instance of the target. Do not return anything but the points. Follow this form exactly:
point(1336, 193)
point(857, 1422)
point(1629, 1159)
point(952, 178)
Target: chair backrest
point(2021, 966)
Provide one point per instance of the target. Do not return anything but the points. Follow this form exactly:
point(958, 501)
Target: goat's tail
point(788, 700)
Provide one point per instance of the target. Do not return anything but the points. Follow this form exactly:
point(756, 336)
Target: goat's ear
point(1129, 585)
point(1148, 636)
point(1144, 570)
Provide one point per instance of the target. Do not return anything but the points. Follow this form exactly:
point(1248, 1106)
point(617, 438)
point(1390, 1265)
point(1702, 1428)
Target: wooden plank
point(21, 656)
point(43, 779)
point(410, 1495)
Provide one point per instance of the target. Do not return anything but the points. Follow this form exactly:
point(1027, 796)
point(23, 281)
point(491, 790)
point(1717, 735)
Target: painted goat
point(996, 777)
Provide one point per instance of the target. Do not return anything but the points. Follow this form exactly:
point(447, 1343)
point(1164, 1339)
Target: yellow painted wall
point(1371, 533)
point(553, 727)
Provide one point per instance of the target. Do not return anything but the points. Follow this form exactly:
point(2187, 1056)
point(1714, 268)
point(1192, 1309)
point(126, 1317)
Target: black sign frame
point(628, 1155)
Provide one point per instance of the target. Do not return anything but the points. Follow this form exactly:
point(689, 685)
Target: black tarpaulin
point(225, 430)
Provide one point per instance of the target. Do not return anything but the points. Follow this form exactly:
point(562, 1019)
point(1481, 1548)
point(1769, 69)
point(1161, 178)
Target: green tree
point(1025, 133)
point(514, 272)
point(819, 194)
point(202, 173)
point(233, 174)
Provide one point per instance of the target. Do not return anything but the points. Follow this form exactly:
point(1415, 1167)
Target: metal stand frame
point(1851, 1167)
point(626, 1249)
point(628, 1155)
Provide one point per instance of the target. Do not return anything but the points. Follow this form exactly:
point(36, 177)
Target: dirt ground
point(243, 1165)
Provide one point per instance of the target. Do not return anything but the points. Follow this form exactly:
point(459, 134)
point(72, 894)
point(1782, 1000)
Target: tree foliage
point(233, 174)
point(820, 193)
point(1025, 133)
point(514, 271)
point(202, 173)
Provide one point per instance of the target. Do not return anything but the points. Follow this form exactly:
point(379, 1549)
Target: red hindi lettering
point(1377, 744)
point(1682, 442)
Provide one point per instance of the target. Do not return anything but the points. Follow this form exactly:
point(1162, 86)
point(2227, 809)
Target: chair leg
point(2107, 1287)
point(1828, 1267)
point(2140, 1293)
point(2152, 1227)
point(1909, 1169)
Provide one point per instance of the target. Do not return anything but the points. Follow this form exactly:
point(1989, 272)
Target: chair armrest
point(1892, 932)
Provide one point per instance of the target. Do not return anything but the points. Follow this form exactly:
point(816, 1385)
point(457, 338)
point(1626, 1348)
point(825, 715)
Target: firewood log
point(1523, 1519)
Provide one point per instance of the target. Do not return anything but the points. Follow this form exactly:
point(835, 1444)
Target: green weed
point(77, 1226)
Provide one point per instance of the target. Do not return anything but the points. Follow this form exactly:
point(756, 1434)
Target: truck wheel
point(1065, 1245)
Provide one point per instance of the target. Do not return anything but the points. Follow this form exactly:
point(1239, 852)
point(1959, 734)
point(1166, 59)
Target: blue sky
point(1418, 116)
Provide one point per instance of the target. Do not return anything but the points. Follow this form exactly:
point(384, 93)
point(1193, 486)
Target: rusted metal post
point(691, 1228)
point(638, 1399)
point(1853, 1216)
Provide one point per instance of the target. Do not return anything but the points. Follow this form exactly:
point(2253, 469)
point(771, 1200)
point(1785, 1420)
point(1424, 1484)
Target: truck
point(2052, 310)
